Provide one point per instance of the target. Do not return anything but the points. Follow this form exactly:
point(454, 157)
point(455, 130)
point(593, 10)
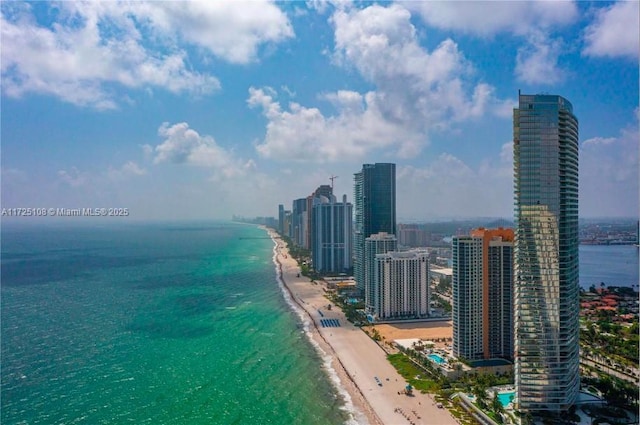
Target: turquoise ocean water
point(157, 324)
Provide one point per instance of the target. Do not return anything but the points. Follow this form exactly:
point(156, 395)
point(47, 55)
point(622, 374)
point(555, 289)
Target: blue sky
point(192, 110)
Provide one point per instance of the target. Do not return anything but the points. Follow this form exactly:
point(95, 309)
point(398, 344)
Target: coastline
point(353, 360)
point(355, 403)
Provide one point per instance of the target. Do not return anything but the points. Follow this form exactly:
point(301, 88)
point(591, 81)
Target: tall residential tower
point(375, 210)
point(545, 145)
point(380, 243)
point(332, 231)
point(483, 294)
point(402, 283)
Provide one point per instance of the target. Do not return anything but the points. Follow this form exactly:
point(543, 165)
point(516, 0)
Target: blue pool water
point(436, 358)
point(505, 398)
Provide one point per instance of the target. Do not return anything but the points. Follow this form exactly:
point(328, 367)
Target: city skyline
point(153, 108)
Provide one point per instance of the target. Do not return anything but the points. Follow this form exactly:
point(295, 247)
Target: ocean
point(154, 323)
point(170, 324)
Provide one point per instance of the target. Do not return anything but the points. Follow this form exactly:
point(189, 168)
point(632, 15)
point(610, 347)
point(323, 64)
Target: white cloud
point(321, 6)
point(598, 141)
point(609, 175)
point(537, 58)
point(183, 145)
point(537, 61)
point(449, 187)
point(488, 18)
point(93, 45)
point(13, 175)
point(73, 177)
point(615, 31)
point(415, 87)
point(128, 169)
point(231, 30)
point(305, 134)
point(416, 92)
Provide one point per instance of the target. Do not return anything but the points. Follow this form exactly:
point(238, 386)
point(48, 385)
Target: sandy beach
point(356, 358)
point(437, 332)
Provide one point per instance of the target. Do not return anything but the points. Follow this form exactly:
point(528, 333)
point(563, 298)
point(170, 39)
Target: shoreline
point(357, 366)
point(355, 403)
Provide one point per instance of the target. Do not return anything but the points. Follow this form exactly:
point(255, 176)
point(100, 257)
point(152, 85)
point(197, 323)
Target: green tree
point(481, 395)
point(496, 405)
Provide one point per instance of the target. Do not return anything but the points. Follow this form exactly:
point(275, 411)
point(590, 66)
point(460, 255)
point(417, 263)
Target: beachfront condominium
point(482, 287)
point(545, 143)
point(380, 243)
point(333, 225)
point(286, 227)
point(402, 283)
point(299, 222)
point(281, 219)
point(322, 190)
point(375, 210)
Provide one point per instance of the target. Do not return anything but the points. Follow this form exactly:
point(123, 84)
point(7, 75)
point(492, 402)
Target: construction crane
point(332, 178)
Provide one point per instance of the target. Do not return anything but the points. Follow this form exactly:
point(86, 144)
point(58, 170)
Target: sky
point(198, 110)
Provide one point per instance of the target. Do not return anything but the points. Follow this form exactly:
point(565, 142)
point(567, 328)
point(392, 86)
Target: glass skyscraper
point(545, 138)
point(375, 209)
point(332, 231)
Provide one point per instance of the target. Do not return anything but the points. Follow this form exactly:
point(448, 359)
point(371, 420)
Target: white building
point(380, 243)
point(401, 285)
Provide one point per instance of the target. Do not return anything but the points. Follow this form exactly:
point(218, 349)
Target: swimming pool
point(436, 358)
point(505, 398)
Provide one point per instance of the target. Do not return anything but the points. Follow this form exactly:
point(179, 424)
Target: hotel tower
point(545, 146)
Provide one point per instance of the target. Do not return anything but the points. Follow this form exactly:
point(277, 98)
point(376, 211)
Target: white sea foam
point(355, 416)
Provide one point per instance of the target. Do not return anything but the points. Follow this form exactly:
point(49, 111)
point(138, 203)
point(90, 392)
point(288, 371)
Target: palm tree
point(481, 395)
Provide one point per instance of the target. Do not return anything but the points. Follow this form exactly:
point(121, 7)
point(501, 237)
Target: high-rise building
point(412, 235)
point(380, 243)
point(322, 190)
point(482, 287)
point(333, 223)
point(498, 292)
point(281, 219)
point(286, 226)
point(545, 142)
point(299, 222)
point(402, 280)
point(466, 287)
point(375, 209)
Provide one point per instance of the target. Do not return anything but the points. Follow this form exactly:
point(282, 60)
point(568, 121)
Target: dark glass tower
point(545, 138)
point(375, 210)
